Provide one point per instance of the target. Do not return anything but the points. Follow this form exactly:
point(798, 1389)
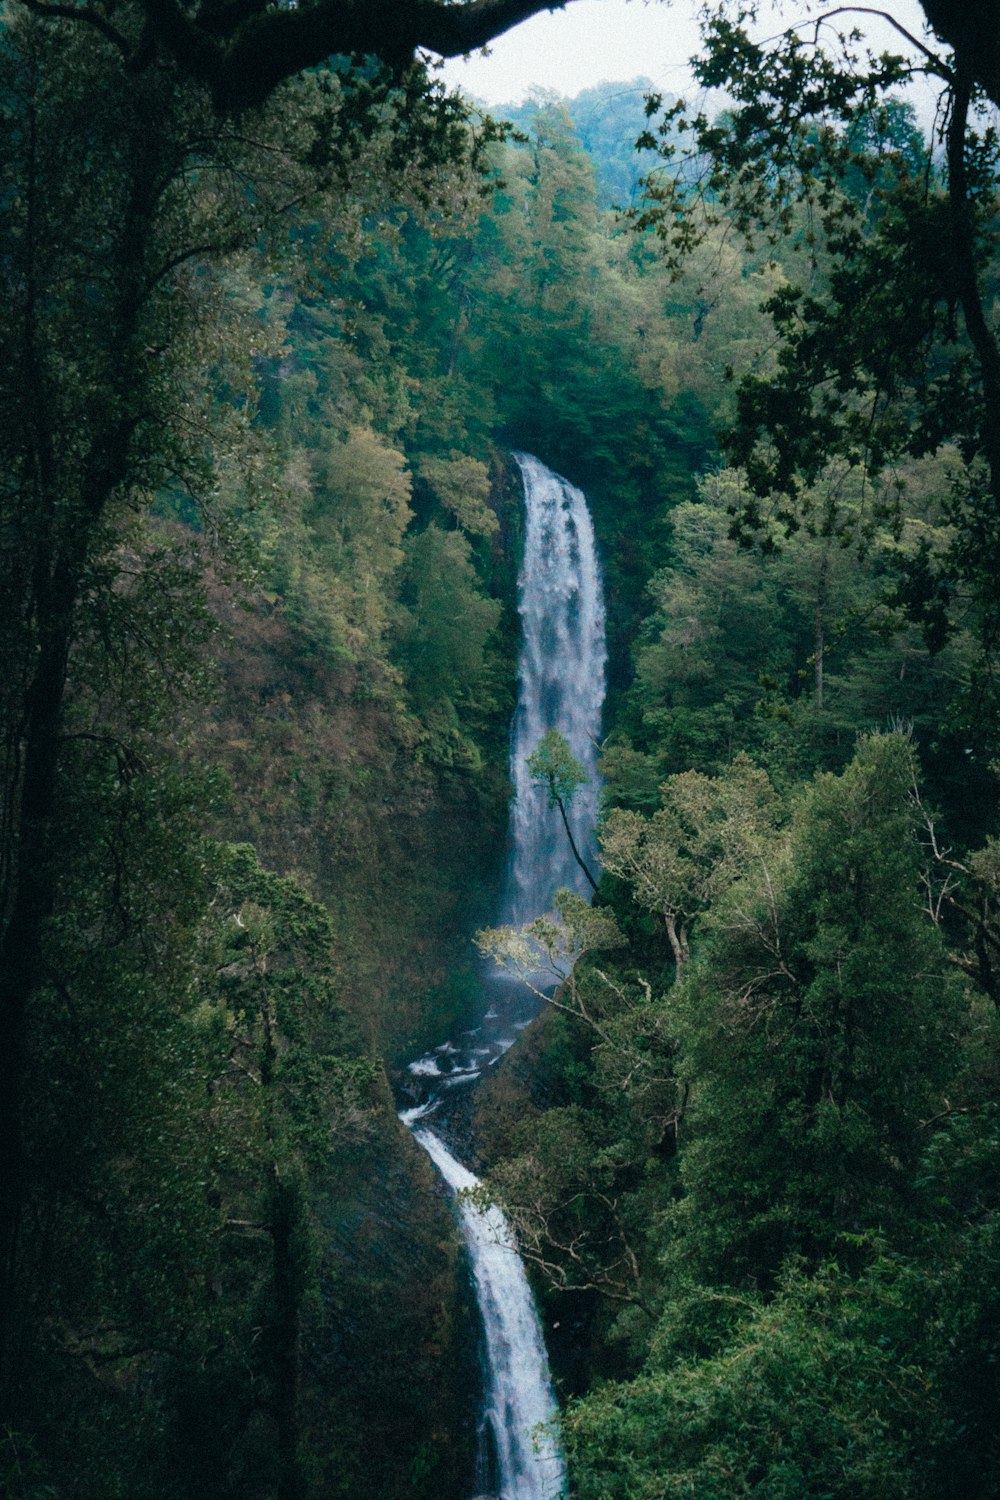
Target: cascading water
point(518, 1450)
point(561, 686)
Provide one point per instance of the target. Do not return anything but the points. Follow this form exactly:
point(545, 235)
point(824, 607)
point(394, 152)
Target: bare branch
point(937, 66)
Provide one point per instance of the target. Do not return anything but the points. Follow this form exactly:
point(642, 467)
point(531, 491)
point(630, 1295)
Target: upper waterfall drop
point(561, 686)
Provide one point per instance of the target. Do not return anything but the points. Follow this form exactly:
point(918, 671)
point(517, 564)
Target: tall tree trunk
point(61, 511)
point(572, 842)
point(677, 934)
point(30, 902)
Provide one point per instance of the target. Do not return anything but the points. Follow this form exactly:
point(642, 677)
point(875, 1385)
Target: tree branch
point(937, 67)
point(452, 30)
point(242, 52)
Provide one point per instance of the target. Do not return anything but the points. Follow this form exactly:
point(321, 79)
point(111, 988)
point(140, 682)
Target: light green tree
point(708, 833)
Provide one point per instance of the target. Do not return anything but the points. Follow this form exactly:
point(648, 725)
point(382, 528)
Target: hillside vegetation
point(264, 371)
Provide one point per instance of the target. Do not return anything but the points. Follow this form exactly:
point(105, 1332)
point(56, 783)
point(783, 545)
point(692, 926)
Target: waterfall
point(561, 686)
point(519, 1400)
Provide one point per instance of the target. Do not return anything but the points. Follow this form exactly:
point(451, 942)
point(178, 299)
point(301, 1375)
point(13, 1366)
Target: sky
point(597, 41)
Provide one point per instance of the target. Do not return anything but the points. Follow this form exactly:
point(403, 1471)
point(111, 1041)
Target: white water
point(561, 686)
point(520, 1405)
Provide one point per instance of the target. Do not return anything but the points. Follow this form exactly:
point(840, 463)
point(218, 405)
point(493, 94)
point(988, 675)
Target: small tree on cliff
point(553, 765)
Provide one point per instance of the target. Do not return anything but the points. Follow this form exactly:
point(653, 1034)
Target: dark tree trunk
point(572, 842)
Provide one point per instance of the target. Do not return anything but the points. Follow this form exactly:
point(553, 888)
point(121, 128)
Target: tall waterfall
point(561, 686)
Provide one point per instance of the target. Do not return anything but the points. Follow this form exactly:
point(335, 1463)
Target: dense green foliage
point(751, 1152)
point(204, 1184)
point(608, 119)
point(262, 537)
point(263, 374)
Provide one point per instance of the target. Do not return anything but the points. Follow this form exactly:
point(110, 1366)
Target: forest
point(278, 310)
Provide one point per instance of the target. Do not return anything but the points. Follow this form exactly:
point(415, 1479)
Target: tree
point(568, 1183)
point(546, 951)
point(702, 839)
point(129, 377)
point(553, 765)
point(818, 1027)
point(445, 622)
point(787, 651)
point(294, 1089)
point(340, 575)
point(829, 1390)
point(874, 362)
point(106, 317)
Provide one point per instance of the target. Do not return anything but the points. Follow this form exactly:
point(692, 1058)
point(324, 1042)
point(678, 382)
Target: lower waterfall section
point(517, 1438)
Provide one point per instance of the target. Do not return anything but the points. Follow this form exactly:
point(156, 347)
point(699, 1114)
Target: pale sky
point(596, 41)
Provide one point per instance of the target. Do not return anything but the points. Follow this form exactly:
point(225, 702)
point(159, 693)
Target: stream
point(561, 673)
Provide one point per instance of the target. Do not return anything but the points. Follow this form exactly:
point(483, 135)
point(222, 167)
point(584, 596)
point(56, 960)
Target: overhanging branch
point(970, 28)
point(452, 30)
point(281, 43)
point(241, 50)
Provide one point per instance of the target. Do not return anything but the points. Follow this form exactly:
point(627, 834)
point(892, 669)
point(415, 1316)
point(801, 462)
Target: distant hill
point(609, 119)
